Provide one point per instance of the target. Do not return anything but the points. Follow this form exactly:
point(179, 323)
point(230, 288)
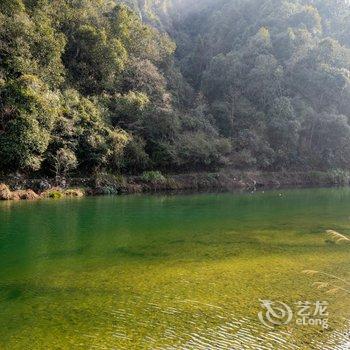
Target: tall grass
point(331, 284)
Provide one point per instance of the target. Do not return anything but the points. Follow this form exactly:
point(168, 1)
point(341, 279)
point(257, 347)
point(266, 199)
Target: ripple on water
point(229, 333)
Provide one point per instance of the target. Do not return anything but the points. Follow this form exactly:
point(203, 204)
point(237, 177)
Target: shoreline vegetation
point(18, 188)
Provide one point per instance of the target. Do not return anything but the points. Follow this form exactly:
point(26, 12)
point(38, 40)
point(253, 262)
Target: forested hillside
point(275, 75)
point(137, 85)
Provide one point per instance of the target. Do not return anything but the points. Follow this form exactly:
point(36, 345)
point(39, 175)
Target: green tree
point(28, 112)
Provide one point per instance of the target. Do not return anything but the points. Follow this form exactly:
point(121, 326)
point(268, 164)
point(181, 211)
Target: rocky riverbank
point(19, 188)
point(28, 194)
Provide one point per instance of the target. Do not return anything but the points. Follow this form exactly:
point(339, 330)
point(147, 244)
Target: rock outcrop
point(5, 193)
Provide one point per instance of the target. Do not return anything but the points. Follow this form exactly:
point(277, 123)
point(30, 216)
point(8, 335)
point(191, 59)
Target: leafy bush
point(53, 194)
point(153, 177)
point(339, 176)
point(109, 184)
point(64, 161)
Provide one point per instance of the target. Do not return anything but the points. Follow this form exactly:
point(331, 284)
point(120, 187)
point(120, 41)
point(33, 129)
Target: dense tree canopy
point(276, 76)
point(132, 85)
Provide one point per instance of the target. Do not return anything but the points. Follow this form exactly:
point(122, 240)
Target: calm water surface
point(171, 272)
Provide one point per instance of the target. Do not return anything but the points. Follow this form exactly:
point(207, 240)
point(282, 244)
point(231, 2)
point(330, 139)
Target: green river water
point(173, 271)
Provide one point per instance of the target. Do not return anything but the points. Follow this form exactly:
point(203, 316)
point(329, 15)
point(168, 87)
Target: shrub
point(153, 177)
point(109, 184)
point(64, 161)
point(54, 193)
point(340, 177)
